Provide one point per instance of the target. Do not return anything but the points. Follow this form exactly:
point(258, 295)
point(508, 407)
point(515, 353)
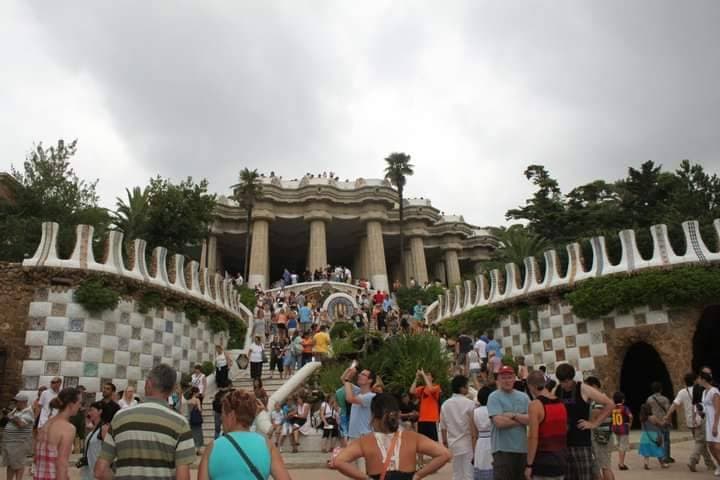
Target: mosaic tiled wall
point(563, 337)
point(121, 346)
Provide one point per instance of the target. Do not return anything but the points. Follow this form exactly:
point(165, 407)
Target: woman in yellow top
point(321, 344)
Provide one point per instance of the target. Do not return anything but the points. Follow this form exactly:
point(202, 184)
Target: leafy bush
point(407, 297)
point(185, 380)
point(679, 287)
point(149, 300)
point(95, 296)
point(217, 323)
point(208, 367)
point(247, 296)
point(476, 321)
point(193, 313)
point(236, 334)
point(341, 330)
point(396, 361)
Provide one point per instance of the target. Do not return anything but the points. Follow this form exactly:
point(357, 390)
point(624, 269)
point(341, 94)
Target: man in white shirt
point(481, 348)
point(458, 428)
point(45, 399)
point(694, 422)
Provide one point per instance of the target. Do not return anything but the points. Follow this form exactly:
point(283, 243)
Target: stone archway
point(641, 367)
point(339, 306)
point(705, 347)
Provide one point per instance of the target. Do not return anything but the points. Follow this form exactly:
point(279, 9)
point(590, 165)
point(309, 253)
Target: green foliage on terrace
point(395, 360)
point(677, 287)
point(476, 321)
point(407, 297)
point(247, 296)
point(149, 300)
point(95, 296)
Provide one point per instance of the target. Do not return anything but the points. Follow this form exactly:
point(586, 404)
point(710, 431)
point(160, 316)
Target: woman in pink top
point(55, 438)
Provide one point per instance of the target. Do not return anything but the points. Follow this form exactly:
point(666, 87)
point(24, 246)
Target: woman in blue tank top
point(241, 453)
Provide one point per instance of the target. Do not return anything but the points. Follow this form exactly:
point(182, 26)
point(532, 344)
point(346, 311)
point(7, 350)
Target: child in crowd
point(621, 420)
point(278, 421)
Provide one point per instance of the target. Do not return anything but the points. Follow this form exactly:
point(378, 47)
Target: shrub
point(236, 334)
point(149, 300)
point(217, 323)
point(247, 296)
point(476, 321)
point(407, 297)
point(341, 330)
point(208, 367)
point(95, 296)
point(193, 313)
point(679, 287)
point(185, 380)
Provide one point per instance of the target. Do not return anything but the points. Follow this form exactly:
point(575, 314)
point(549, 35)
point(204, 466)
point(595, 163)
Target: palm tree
point(246, 193)
point(397, 169)
point(131, 217)
point(515, 244)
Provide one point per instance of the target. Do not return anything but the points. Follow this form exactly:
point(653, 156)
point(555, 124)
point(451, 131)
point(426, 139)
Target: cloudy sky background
point(475, 91)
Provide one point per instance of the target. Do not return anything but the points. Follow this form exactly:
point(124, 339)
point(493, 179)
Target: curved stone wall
point(186, 279)
point(499, 288)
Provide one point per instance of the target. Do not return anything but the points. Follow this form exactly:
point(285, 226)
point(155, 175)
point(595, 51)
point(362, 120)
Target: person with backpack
point(621, 420)
point(100, 423)
point(694, 422)
point(660, 405)
point(601, 437)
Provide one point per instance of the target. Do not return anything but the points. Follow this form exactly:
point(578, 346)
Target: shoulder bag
point(245, 458)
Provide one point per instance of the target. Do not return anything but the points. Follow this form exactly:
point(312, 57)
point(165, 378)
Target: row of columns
point(369, 261)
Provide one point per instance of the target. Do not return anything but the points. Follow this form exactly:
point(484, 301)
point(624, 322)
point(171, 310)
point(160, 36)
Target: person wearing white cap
point(17, 437)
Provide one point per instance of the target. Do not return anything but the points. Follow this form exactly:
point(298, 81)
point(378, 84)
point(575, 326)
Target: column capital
point(317, 215)
point(262, 214)
point(373, 217)
point(451, 247)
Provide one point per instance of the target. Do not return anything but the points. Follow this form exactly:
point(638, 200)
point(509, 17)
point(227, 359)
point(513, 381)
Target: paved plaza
point(681, 451)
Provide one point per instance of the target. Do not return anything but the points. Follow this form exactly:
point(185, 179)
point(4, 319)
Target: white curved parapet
point(186, 279)
point(292, 384)
point(505, 286)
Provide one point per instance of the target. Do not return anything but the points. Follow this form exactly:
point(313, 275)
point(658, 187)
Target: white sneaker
point(717, 472)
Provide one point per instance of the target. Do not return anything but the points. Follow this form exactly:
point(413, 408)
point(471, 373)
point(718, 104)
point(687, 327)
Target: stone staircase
point(241, 379)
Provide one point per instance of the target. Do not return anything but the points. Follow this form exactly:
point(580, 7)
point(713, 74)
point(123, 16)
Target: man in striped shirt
point(149, 440)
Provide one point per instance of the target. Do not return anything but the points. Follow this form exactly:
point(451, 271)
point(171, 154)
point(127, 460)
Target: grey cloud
point(206, 89)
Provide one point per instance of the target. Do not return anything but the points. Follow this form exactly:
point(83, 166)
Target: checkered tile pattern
point(119, 346)
point(563, 337)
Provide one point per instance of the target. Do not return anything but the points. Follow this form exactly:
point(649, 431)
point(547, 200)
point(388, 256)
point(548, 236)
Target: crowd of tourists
point(126, 437)
point(512, 428)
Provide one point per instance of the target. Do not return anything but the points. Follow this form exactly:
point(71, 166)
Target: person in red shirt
point(379, 297)
point(429, 398)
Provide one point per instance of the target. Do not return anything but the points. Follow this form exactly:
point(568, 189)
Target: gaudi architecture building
point(315, 221)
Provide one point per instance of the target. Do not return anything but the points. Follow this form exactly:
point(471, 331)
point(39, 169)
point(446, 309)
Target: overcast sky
point(475, 91)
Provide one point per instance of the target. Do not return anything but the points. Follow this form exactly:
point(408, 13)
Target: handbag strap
point(388, 458)
point(244, 456)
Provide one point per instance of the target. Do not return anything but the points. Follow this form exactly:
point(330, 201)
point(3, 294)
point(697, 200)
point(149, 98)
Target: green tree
point(397, 169)
point(178, 215)
point(545, 211)
point(515, 244)
point(131, 217)
point(247, 192)
point(48, 189)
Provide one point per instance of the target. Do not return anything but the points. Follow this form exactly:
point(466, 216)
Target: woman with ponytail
point(389, 453)
point(55, 439)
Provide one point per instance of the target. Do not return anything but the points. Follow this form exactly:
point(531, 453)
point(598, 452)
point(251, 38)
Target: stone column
point(212, 255)
point(478, 268)
point(259, 254)
point(439, 271)
point(377, 271)
point(409, 268)
point(452, 267)
point(360, 269)
point(317, 250)
point(417, 253)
